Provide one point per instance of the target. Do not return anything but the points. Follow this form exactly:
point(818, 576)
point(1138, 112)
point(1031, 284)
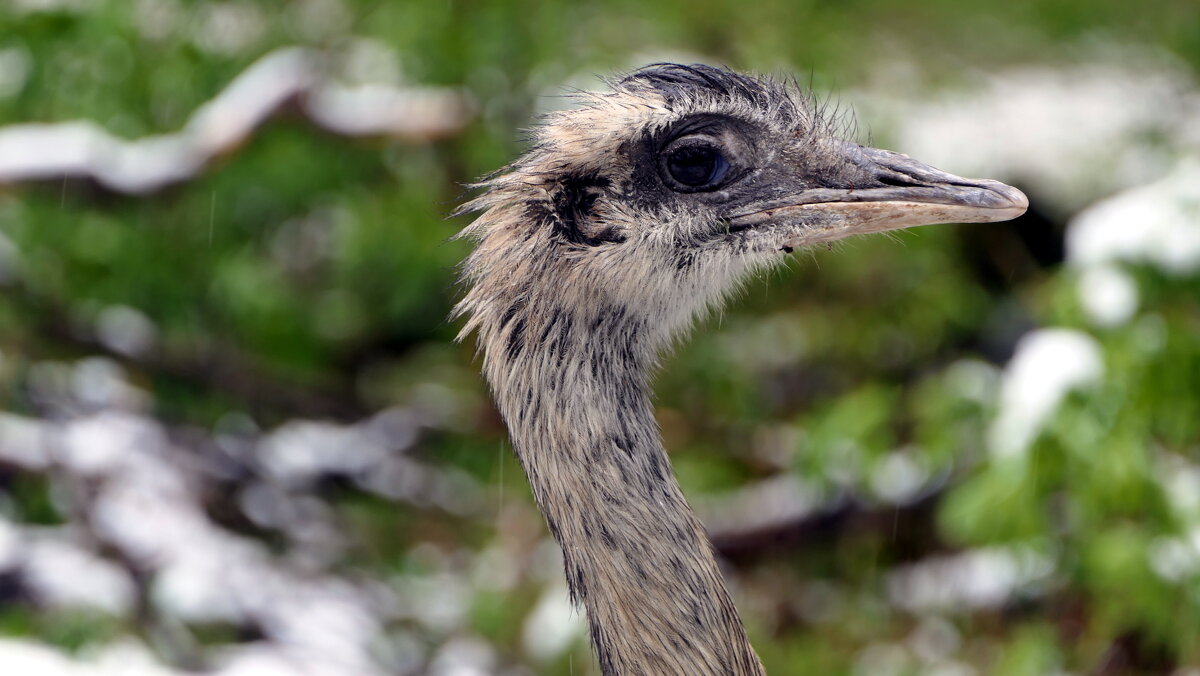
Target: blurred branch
point(1131, 652)
point(772, 516)
point(279, 79)
point(216, 367)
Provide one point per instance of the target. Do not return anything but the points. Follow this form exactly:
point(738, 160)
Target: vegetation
point(307, 276)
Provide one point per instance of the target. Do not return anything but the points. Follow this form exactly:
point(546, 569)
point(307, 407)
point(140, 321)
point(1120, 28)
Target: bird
point(633, 214)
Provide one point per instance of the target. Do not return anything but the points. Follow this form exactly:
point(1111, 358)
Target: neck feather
point(573, 391)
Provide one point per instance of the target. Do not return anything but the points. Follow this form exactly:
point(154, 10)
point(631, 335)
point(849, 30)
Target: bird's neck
point(579, 414)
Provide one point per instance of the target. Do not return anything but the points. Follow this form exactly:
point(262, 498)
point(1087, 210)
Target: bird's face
point(666, 192)
point(728, 185)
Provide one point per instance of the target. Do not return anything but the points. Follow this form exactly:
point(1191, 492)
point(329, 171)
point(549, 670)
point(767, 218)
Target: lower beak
point(901, 193)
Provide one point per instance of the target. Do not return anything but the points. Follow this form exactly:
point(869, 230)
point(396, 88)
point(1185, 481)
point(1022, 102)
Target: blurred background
point(238, 438)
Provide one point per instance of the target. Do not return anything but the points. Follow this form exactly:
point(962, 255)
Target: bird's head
point(659, 196)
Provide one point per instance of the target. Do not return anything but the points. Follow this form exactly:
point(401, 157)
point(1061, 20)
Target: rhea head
point(659, 196)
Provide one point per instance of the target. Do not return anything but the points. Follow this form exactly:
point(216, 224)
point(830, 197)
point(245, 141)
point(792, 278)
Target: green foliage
point(306, 263)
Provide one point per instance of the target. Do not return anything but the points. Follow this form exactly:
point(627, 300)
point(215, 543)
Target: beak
point(899, 192)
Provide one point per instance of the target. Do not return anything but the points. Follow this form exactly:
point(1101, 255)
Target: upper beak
point(900, 192)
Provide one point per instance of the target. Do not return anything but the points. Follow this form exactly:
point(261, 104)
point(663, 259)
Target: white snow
point(83, 148)
point(971, 580)
point(782, 498)
point(64, 574)
point(10, 545)
point(898, 477)
point(1176, 559)
point(1108, 294)
point(1048, 364)
point(552, 625)
point(1072, 134)
point(24, 441)
point(126, 330)
point(1158, 223)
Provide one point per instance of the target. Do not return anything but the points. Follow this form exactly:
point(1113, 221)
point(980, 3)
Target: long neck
point(574, 395)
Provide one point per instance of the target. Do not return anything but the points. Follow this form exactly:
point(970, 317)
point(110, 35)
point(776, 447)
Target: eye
point(696, 166)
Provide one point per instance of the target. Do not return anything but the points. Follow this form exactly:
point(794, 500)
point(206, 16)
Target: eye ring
point(694, 166)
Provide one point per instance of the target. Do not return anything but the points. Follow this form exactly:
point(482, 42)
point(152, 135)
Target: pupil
point(696, 166)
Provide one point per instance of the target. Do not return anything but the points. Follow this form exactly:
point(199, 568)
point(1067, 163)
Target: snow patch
point(1049, 363)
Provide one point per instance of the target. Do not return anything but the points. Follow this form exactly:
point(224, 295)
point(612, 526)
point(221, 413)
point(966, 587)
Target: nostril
point(899, 181)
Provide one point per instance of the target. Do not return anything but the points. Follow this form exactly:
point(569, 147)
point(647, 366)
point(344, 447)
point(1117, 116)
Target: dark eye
point(697, 166)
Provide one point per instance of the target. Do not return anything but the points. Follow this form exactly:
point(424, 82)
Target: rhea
point(633, 214)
